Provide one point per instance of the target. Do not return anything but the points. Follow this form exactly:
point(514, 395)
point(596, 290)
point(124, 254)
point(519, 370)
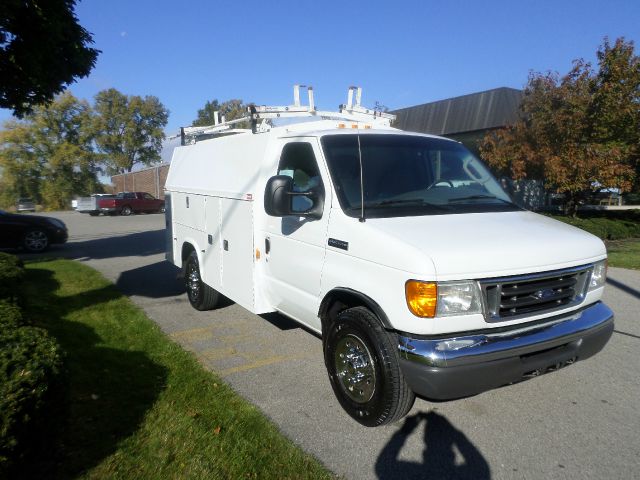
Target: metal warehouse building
point(466, 119)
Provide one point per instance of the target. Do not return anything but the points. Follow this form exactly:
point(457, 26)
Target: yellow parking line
point(260, 363)
point(218, 353)
point(193, 334)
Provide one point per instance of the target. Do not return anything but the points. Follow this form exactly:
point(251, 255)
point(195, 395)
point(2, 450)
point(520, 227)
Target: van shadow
point(109, 390)
point(139, 244)
point(441, 443)
point(158, 280)
point(624, 287)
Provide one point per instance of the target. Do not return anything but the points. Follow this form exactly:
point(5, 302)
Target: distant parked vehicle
point(90, 204)
point(25, 205)
point(126, 203)
point(34, 233)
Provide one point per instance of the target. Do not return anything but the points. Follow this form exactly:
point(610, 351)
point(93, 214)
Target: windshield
point(410, 175)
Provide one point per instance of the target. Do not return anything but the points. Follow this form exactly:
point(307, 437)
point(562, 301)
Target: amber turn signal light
point(421, 298)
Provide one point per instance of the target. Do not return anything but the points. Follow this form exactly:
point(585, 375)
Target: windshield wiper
point(404, 201)
point(479, 197)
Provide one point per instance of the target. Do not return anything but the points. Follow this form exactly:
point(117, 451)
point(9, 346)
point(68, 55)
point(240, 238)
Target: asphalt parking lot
point(580, 422)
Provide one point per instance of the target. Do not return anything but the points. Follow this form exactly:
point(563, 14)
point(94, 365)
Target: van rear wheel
point(363, 367)
point(201, 296)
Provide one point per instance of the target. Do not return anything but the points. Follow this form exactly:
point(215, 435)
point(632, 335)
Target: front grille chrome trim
point(519, 296)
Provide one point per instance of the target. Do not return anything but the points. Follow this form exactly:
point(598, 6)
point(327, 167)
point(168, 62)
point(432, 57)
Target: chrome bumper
point(446, 368)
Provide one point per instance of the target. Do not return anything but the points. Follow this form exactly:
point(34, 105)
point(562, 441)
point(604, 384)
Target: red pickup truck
point(126, 203)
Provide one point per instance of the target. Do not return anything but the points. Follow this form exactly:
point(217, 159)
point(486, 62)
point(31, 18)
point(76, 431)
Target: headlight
point(442, 299)
point(598, 275)
point(458, 298)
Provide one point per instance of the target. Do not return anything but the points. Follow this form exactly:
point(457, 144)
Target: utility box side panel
point(222, 167)
point(236, 227)
point(170, 247)
point(189, 210)
point(212, 256)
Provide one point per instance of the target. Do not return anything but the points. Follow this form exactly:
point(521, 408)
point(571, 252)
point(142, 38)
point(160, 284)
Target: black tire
point(363, 367)
point(201, 296)
point(126, 211)
point(162, 209)
point(35, 240)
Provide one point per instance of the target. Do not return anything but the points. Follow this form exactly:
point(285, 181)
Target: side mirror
point(279, 199)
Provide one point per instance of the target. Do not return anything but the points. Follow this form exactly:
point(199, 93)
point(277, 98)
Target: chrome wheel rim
point(193, 282)
point(354, 368)
point(36, 240)
point(126, 211)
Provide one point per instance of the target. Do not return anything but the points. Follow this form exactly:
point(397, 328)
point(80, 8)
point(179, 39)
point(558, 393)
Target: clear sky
point(401, 52)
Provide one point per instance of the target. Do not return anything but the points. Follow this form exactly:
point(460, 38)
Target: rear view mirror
point(277, 198)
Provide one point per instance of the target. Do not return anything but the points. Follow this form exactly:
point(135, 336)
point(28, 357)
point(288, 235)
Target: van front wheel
point(201, 296)
point(362, 362)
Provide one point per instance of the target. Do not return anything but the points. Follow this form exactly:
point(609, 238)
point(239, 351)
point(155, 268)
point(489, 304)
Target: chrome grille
point(507, 298)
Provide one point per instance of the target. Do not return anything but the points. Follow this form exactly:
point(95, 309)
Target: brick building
point(150, 180)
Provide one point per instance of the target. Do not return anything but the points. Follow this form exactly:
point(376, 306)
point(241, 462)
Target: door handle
point(267, 245)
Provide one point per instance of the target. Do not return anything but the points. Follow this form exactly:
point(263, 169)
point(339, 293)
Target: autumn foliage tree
point(579, 132)
point(58, 150)
point(231, 110)
point(49, 156)
point(128, 129)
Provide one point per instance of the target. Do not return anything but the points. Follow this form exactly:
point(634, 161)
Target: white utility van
point(400, 249)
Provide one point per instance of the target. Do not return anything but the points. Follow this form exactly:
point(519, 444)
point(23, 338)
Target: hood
point(484, 245)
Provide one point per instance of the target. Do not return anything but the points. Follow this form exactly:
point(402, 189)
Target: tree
point(49, 155)
point(578, 132)
point(43, 49)
point(231, 109)
point(129, 129)
point(615, 110)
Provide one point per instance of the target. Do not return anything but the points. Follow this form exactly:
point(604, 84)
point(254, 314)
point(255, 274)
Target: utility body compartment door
point(212, 255)
point(236, 236)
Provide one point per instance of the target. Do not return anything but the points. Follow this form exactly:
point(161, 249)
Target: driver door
point(295, 245)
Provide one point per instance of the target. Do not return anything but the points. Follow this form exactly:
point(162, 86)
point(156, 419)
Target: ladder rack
point(350, 111)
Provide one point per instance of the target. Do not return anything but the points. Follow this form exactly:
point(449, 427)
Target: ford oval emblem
point(544, 294)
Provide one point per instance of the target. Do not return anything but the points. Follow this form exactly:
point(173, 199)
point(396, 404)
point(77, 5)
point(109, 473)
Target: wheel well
point(187, 248)
point(340, 299)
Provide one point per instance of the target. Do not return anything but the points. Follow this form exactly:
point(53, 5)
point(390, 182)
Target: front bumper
point(59, 236)
point(448, 368)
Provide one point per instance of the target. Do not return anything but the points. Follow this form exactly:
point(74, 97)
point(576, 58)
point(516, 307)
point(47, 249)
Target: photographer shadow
point(442, 440)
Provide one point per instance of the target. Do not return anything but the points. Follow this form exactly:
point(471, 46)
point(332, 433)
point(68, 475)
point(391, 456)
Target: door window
point(299, 162)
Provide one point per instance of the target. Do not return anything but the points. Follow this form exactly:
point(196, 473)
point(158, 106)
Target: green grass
point(624, 253)
point(607, 228)
point(139, 405)
point(620, 230)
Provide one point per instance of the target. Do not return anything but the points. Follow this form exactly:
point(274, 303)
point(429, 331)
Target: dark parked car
point(25, 205)
point(31, 232)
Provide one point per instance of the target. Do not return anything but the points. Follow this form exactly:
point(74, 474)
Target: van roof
point(333, 127)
